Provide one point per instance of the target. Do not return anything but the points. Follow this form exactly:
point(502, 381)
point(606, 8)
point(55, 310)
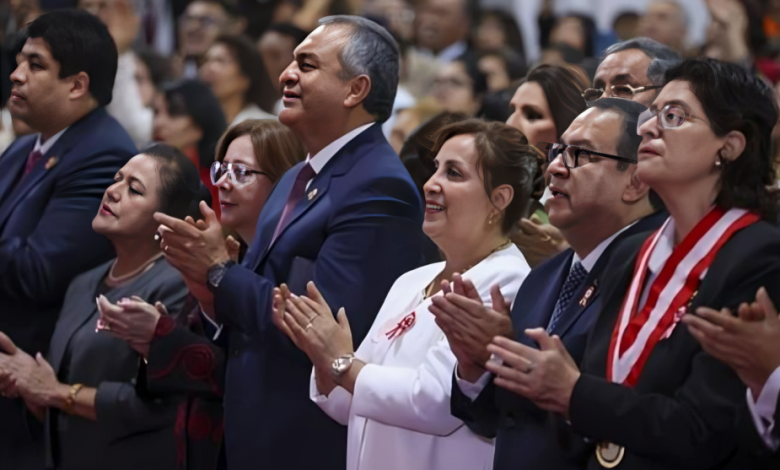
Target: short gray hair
point(372, 51)
point(662, 58)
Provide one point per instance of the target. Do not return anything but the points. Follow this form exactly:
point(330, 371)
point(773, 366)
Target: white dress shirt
point(399, 413)
point(322, 157)
point(472, 390)
point(46, 146)
point(763, 410)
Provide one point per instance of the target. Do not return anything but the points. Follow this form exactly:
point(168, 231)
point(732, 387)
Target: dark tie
point(574, 281)
point(32, 159)
point(299, 187)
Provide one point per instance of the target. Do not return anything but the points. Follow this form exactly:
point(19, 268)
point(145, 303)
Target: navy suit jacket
point(46, 240)
point(354, 233)
point(526, 437)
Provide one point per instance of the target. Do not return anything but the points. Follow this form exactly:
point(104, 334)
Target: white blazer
point(399, 415)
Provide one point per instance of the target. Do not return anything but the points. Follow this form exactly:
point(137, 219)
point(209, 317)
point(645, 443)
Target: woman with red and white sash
point(646, 396)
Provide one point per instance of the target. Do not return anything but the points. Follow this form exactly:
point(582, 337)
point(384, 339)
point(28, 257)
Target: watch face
point(216, 274)
point(341, 364)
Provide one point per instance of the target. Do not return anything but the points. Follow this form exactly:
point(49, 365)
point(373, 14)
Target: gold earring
point(490, 219)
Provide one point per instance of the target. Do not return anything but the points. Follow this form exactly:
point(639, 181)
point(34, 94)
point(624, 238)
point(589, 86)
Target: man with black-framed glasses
point(596, 202)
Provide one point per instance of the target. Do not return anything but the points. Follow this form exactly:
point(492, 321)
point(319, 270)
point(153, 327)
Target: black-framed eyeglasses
point(617, 91)
point(574, 156)
point(669, 117)
point(237, 173)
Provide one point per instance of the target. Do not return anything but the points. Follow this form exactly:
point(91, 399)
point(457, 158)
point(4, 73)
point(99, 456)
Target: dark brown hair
point(736, 99)
point(262, 91)
point(277, 148)
point(562, 87)
point(504, 158)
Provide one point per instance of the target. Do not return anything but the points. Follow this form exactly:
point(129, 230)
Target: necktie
point(32, 159)
point(299, 187)
point(573, 282)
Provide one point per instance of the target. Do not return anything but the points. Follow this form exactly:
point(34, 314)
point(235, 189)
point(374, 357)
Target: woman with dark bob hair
point(395, 396)
point(646, 395)
point(96, 411)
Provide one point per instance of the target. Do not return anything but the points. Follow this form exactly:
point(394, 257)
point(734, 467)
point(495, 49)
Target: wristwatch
point(342, 364)
point(70, 401)
point(216, 273)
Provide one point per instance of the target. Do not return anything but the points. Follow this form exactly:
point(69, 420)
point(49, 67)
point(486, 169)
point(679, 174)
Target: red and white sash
point(637, 332)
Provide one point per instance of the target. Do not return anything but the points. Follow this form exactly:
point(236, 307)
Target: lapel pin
point(312, 194)
point(588, 294)
point(51, 163)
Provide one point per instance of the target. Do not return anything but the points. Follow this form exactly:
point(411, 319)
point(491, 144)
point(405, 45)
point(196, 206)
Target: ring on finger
point(529, 368)
point(308, 326)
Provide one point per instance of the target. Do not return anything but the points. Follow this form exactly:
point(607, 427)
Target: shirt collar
point(322, 157)
point(663, 249)
point(46, 146)
point(452, 52)
point(590, 261)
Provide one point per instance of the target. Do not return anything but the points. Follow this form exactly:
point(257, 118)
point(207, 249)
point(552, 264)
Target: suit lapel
point(59, 151)
point(338, 165)
point(74, 317)
point(311, 196)
point(582, 299)
point(547, 295)
point(13, 165)
point(269, 218)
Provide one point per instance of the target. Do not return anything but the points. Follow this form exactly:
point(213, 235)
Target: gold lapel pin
point(312, 194)
point(51, 163)
point(588, 294)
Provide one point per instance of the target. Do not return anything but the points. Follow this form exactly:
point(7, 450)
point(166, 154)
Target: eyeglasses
point(617, 91)
point(669, 117)
point(574, 156)
point(236, 172)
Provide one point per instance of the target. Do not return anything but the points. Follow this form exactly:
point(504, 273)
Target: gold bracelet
point(70, 401)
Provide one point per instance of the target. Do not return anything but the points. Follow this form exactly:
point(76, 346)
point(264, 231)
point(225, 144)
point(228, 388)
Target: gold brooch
point(51, 162)
point(312, 194)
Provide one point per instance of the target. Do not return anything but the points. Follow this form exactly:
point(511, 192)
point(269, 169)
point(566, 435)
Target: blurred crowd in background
point(458, 56)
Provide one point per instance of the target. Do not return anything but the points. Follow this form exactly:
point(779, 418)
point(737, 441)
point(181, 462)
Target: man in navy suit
point(51, 187)
point(595, 205)
point(348, 218)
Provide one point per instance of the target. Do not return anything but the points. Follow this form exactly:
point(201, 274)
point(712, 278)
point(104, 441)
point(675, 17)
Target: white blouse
point(399, 415)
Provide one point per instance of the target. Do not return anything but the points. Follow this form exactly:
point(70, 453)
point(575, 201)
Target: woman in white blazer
point(394, 391)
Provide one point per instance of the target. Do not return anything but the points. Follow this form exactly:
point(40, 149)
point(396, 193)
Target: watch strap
point(70, 400)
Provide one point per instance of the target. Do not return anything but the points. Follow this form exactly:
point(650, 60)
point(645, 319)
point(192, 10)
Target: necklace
point(114, 281)
point(427, 291)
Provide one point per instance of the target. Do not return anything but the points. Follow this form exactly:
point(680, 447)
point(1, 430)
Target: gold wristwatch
point(70, 401)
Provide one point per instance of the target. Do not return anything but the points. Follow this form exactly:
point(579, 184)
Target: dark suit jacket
point(46, 239)
point(354, 239)
point(133, 430)
point(525, 437)
point(682, 412)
